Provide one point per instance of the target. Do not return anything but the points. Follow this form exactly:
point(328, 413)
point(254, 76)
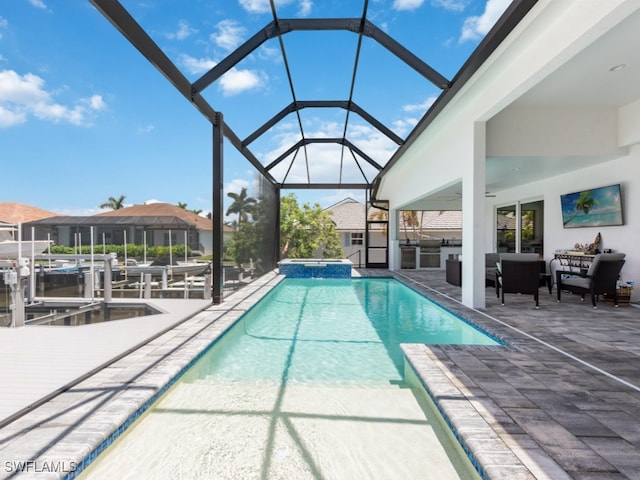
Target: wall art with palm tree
point(597, 207)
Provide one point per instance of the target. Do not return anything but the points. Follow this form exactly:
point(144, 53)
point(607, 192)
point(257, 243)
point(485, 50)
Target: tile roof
point(161, 210)
point(15, 212)
point(349, 215)
point(440, 220)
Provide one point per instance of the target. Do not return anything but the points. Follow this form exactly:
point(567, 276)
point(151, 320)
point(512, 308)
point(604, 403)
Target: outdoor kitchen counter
point(445, 251)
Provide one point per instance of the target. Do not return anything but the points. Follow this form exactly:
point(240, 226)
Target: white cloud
point(38, 4)
point(229, 34)
point(476, 27)
point(95, 102)
point(196, 65)
point(22, 96)
point(232, 82)
point(9, 118)
point(403, 127)
point(78, 212)
point(263, 6)
point(184, 30)
point(407, 4)
point(454, 5)
point(325, 159)
point(305, 7)
point(420, 108)
point(236, 81)
point(236, 185)
point(146, 129)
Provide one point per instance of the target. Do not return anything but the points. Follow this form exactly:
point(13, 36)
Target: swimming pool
point(308, 384)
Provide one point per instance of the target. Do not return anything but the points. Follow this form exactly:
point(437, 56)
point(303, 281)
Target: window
point(531, 228)
point(357, 238)
point(506, 229)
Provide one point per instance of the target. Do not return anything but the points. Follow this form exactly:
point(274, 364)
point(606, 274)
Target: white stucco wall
point(449, 149)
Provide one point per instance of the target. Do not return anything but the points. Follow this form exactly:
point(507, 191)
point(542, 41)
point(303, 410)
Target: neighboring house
point(14, 213)
point(349, 217)
point(151, 223)
point(444, 225)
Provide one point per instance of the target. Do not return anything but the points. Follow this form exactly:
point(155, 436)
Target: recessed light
point(615, 68)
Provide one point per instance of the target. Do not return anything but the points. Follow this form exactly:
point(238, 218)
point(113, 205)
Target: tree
point(242, 205)
point(304, 231)
point(410, 219)
point(584, 203)
point(114, 203)
point(183, 205)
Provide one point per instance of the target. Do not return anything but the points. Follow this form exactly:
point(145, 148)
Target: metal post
point(170, 255)
point(216, 214)
point(147, 285)
point(92, 267)
point(88, 284)
point(107, 285)
point(32, 268)
point(206, 294)
point(126, 276)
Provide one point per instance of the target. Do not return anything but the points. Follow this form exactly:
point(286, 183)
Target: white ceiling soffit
point(588, 80)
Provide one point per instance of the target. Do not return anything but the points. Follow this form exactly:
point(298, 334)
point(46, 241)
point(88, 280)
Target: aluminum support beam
point(283, 26)
point(217, 201)
point(307, 141)
point(324, 186)
point(136, 35)
point(299, 105)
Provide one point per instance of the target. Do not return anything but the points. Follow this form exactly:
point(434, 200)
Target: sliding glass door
point(520, 228)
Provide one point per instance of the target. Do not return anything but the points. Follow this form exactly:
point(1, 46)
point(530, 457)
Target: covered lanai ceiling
point(604, 75)
point(312, 126)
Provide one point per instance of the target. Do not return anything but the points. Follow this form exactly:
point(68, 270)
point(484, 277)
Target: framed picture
point(595, 207)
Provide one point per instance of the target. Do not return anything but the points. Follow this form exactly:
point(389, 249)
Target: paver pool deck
point(560, 400)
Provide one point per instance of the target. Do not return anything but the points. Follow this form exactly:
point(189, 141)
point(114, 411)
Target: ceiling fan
point(458, 196)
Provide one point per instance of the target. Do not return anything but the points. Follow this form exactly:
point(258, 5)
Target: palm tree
point(242, 205)
point(378, 214)
point(114, 203)
point(410, 219)
point(584, 203)
point(182, 205)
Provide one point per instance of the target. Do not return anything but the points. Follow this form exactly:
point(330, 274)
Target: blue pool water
point(344, 331)
point(309, 383)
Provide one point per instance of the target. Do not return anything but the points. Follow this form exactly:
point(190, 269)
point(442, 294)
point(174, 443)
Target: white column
point(473, 220)
point(394, 244)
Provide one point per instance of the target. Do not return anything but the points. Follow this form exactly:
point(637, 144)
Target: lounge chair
point(518, 273)
point(600, 279)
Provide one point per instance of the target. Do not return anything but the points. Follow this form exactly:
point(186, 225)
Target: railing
point(359, 252)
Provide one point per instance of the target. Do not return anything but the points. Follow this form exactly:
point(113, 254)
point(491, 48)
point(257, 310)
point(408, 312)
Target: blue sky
point(84, 116)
